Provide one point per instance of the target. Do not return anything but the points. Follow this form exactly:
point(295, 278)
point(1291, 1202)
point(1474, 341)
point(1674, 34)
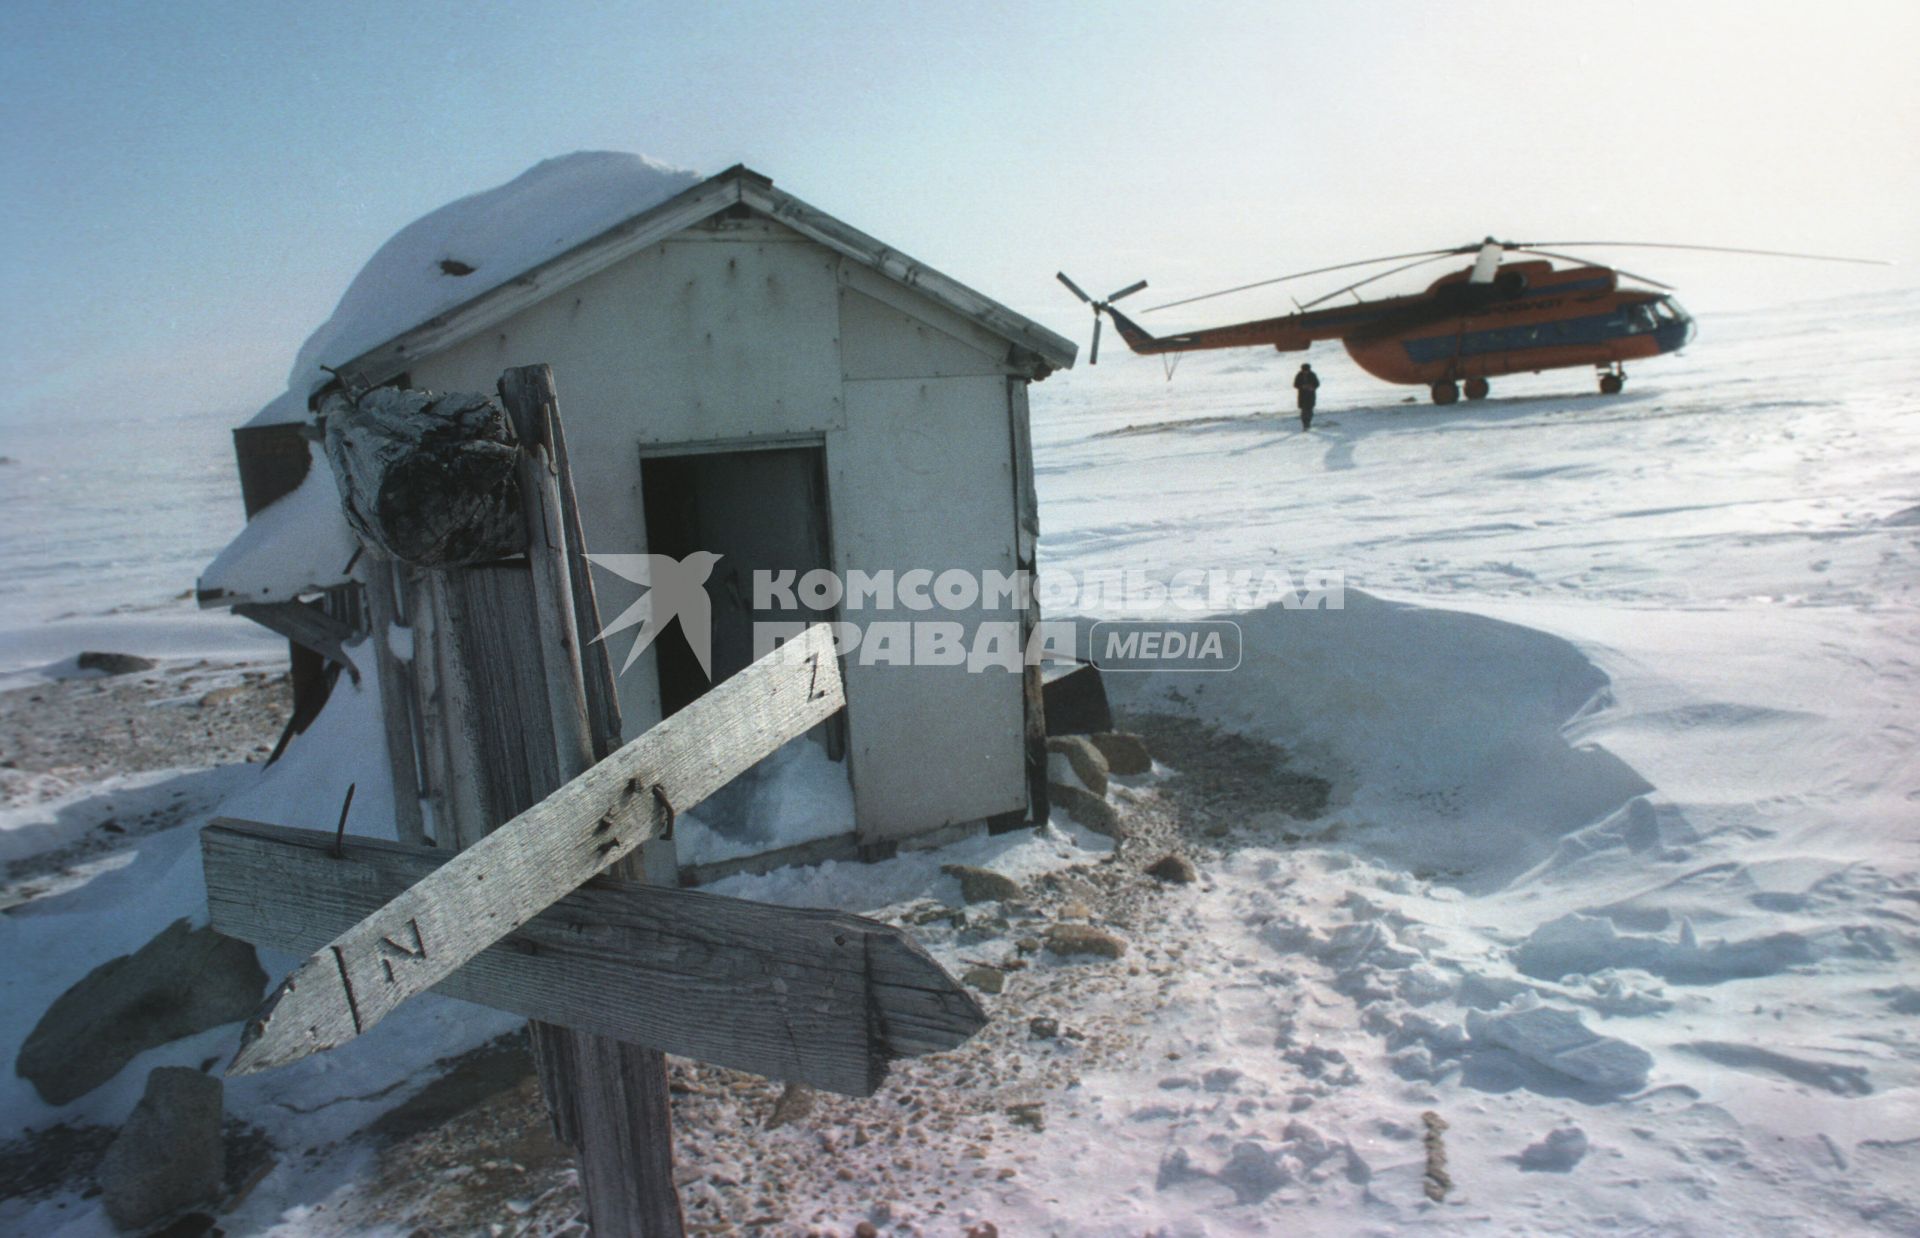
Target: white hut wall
point(744, 334)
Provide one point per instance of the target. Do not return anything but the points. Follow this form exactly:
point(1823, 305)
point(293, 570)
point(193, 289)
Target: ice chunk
point(1558, 1041)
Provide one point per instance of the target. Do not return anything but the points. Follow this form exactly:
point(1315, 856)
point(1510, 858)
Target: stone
point(1087, 809)
point(1075, 702)
point(169, 1156)
point(1072, 939)
point(1085, 760)
point(114, 663)
point(1125, 752)
point(1558, 1153)
point(1174, 869)
point(796, 1102)
point(1043, 1027)
point(184, 981)
point(982, 885)
point(1029, 1114)
point(986, 979)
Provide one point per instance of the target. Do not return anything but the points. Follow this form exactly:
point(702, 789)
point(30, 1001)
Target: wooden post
point(609, 1100)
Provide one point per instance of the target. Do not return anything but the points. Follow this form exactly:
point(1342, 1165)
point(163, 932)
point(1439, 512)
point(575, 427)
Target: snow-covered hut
point(739, 373)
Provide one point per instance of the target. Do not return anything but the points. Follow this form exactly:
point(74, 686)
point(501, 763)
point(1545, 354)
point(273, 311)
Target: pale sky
point(188, 188)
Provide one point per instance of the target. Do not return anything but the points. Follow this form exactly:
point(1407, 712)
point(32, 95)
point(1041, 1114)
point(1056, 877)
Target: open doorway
point(760, 511)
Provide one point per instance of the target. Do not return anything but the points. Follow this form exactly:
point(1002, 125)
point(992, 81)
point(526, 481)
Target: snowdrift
point(1451, 724)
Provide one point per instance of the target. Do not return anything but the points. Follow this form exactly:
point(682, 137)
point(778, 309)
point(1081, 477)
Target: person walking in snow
point(1305, 384)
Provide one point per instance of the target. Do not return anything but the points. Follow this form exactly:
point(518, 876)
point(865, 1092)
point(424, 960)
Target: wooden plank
point(782, 992)
point(517, 871)
point(426, 609)
point(1026, 519)
point(528, 395)
point(486, 610)
point(534, 385)
point(306, 626)
point(596, 664)
point(383, 613)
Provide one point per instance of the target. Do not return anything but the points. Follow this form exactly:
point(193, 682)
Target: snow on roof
point(296, 544)
point(451, 255)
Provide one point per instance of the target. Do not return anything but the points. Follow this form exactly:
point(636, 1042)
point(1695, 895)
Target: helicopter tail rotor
point(1098, 307)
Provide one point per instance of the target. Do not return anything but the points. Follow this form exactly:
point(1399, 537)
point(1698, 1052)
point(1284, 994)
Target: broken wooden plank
point(514, 873)
point(820, 997)
point(306, 626)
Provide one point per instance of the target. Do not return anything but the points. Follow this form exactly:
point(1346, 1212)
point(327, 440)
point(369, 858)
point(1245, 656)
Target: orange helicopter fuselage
point(1530, 317)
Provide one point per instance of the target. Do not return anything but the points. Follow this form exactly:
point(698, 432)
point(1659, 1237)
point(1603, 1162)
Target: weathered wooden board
point(382, 614)
point(819, 997)
point(525, 866)
point(306, 626)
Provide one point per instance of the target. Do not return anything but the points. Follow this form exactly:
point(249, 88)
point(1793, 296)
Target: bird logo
point(675, 589)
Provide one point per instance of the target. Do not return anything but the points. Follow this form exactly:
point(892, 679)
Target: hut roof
point(475, 262)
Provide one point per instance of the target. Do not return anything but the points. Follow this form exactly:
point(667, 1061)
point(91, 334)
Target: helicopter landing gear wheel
point(1477, 388)
point(1445, 392)
point(1610, 384)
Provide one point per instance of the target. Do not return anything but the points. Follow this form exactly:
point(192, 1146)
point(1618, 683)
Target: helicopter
point(1491, 318)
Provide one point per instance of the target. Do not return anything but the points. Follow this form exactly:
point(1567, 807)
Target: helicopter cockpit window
point(1640, 318)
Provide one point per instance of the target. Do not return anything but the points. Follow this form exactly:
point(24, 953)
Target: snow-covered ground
point(1620, 878)
point(1623, 715)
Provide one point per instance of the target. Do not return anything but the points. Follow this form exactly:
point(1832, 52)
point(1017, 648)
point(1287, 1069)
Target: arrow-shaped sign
point(509, 877)
point(801, 994)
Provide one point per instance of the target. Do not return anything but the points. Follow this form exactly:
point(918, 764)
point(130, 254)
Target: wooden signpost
point(612, 971)
point(531, 862)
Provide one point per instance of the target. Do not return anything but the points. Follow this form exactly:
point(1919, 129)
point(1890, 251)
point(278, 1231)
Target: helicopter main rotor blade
point(1093, 354)
point(1339, 266)
point(1072, 287)
point(1128, 291)
point(1419, 262)
point(1712, 249)
point(1547, 253)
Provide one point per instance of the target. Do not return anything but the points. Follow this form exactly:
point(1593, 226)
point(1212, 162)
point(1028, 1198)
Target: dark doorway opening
point(759, 511)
